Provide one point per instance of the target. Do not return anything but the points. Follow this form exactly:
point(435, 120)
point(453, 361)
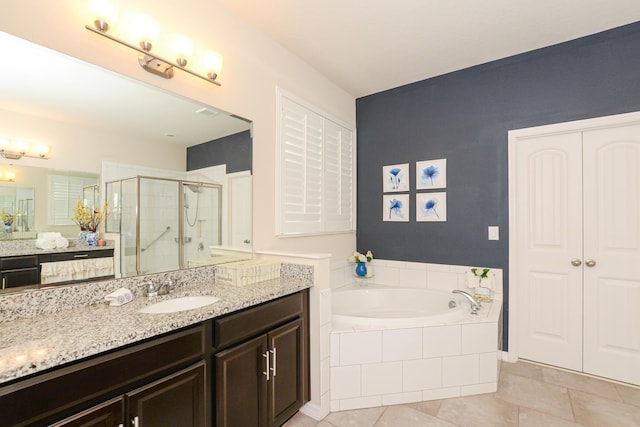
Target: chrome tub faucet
point(474, 304)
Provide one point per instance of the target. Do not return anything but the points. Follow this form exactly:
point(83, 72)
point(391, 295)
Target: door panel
point(612, 241)
point(176, 400)
point(549, 230)
point(240, 385)
point(285, 394)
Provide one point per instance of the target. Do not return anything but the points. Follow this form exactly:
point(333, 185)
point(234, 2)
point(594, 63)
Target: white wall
point(254, 66)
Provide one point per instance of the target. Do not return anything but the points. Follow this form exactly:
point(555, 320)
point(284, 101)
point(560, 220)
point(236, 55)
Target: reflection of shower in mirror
point(197, 190)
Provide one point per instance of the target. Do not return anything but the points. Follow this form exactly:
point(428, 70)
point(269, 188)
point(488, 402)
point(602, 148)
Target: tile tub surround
point(376, 367)
point(411, 275)
point(32, 344)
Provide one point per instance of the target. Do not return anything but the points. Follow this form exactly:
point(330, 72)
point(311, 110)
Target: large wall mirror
point(85, 112)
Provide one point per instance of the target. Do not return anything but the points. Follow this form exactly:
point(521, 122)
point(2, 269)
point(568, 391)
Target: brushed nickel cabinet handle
point(274, 362)
point(590, 263)
point(576, 262)
point(266, 356)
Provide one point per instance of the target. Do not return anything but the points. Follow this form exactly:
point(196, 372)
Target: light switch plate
point(494, 232)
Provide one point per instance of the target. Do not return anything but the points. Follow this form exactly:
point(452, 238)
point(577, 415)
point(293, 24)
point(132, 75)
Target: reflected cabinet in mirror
point(158, 218)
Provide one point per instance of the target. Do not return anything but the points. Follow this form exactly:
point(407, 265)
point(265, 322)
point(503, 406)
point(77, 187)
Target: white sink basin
point(178, 304)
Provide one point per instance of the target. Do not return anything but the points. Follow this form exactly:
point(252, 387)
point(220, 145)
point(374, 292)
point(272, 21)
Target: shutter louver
point(64, 191)
point(316, 172)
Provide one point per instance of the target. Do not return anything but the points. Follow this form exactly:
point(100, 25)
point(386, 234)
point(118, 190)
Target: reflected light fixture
point(16, 149)
point(7, 176)
point(147, 32)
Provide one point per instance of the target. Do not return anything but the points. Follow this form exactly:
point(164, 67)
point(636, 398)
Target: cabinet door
point(174, 401)
point(241, 384)
point(286, 384)
point(107, 414)
point(22, 277)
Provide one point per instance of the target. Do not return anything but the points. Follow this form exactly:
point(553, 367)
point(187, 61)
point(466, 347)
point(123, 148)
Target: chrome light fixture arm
point(151, 62)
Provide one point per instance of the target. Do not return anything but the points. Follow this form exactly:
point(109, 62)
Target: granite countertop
point(38, 343)
point(33, 250)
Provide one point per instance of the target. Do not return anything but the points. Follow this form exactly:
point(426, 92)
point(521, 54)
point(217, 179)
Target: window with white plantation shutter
point(338, 177)
point(316, 170)
point(64, 191)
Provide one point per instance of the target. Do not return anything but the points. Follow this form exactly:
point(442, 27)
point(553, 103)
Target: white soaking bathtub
point(391, 345)
point(376, 305)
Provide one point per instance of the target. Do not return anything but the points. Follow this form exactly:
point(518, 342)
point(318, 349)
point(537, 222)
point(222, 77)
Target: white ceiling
point(367, 46)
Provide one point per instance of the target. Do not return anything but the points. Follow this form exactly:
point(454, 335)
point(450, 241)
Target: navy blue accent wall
point(234, 150)
point(464, 117)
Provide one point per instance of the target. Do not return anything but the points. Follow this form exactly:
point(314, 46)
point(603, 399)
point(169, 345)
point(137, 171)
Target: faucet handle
point(169, 285)
point(152, 289)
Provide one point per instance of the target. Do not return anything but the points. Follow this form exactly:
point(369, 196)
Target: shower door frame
point(181, 217)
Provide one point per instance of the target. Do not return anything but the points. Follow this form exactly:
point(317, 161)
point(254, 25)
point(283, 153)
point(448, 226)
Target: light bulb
point(146, 30)
point(183, 49)
point(41, 150)
point(213, 64)
point(10, 176)
point(21, 146)
point(104, 13)
point(4, 143)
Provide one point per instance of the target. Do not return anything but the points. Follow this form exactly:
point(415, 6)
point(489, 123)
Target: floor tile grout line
point(573, 411)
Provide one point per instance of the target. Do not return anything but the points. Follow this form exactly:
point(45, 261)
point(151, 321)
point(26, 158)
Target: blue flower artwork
point(431, 207)
point(395, 178)
point(431, 174)
point(395, 208)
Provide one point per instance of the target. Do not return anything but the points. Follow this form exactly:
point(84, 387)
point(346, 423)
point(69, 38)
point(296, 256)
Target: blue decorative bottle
point(361, 269)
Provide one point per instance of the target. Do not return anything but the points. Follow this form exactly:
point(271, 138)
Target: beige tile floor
point(528, 395)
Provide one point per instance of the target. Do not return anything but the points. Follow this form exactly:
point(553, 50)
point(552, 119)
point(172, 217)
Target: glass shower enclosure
point(163, 223)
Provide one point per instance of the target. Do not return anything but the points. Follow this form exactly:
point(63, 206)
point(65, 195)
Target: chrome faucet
point(474, 304)
point(153, 290)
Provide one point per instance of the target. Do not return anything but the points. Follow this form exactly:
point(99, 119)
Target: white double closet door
point(577, 224)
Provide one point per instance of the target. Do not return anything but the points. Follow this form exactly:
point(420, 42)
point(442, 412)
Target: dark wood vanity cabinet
point(18, 271)
point(261, 373)
point(162, 379)
point(249, 368)
point(176, 400)
point(24, 270)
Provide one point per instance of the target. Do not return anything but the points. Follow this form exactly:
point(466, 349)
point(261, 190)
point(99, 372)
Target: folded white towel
point(119, 297)
point(61, 242)
point(46, 244)
point(51, 235)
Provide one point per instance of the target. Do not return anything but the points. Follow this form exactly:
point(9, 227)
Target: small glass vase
point(361, 269)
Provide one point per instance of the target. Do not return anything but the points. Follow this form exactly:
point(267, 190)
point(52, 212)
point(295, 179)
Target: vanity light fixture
point(15, 150)
point(7, 176)
point(104, 13)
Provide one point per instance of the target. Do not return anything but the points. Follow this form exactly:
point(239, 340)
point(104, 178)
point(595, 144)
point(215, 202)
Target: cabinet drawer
point(21, 277)
point(67, 390)
point(240, 326)
point(70, 256)
point(14, 263)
